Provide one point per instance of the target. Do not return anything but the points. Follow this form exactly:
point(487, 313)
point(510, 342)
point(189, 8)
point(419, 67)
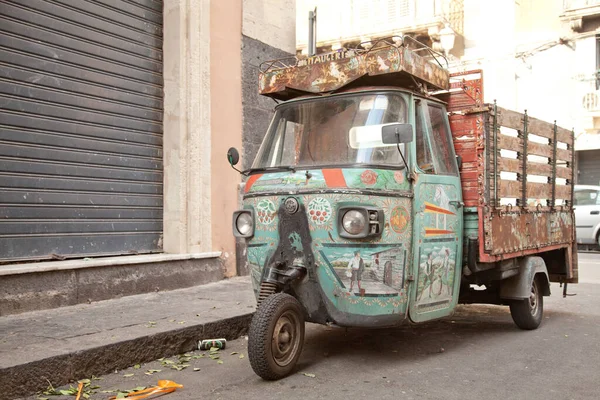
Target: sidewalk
point(68, 343)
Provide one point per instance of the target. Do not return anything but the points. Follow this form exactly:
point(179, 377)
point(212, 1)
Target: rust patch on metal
point(386, 64)
point(534, 226)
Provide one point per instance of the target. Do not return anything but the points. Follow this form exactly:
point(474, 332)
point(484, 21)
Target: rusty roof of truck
point(402, 63)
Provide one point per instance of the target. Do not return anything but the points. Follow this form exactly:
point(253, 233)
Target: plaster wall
point(226, 122)
point(272, 22)
point(268, 32)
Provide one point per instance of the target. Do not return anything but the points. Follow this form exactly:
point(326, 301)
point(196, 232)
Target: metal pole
point(525, 135)
point(496, 150)
point(553, 161)
point(312, 32)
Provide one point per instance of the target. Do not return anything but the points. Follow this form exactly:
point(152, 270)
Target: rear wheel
point(527, 313)
point(276, 336)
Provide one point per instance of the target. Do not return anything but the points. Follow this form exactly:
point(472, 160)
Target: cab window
point(424, 161)
point(435, 149)
point(442, 146)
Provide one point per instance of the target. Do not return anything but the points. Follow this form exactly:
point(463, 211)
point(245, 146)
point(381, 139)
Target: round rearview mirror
point(233, 156)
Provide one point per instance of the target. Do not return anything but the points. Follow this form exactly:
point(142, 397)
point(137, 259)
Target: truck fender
point(519, 286)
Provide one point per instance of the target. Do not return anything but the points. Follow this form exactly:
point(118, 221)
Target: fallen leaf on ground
point(152, 371)
point(220, 362)
point(128, 375)
point(241, 356)
point(196, 369)
point(137, 366)
point(234, 352)
point(309, 375)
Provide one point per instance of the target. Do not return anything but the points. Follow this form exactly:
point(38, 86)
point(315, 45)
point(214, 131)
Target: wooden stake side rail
point(490, 138)
point(514, 120)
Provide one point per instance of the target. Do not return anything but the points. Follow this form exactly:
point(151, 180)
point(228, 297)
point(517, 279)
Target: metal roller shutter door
point(81, 92)
point(588, 167)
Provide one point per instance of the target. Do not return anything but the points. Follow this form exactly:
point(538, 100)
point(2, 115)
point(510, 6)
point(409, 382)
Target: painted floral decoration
point(319, 210)
point(399, 177)
point(368, 177)
point(266, 211)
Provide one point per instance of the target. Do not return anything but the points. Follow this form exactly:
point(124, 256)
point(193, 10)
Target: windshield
point(339, 130)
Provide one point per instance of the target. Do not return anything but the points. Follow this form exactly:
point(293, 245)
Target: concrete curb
point(26, 379)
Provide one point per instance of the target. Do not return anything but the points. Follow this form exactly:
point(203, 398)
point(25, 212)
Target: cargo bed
point(517, 179)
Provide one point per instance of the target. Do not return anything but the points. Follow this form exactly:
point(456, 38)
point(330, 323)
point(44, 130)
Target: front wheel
point(276, 336)
point(527, 313)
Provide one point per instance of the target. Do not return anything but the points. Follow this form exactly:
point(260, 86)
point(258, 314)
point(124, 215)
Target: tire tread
point(519, 311)
point(260, 328)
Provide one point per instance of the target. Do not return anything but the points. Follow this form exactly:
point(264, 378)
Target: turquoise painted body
point(384, 284)
point(412, 269)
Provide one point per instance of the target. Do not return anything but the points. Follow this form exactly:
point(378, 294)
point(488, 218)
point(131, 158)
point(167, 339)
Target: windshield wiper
point(270, 169)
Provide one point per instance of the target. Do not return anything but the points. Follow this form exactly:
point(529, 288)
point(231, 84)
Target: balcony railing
point(588, 89)
point(359, 19)
point(577, 4)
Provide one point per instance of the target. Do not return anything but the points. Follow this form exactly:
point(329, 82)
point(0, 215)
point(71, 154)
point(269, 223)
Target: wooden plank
point(564, 155)
point(510, 143)
point(534, 168)
point(540, 128)
point(510, 119)
point(509, 165)
point(539, 149)
point(562, 172)
point(563, 192)
point(510, 189)
point(539, 190)
point(565, 136)
point(544, 191)
point(514, 120)
point(535, 190)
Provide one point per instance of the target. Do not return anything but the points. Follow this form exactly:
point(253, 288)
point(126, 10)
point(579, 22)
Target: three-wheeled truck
point(385, 189)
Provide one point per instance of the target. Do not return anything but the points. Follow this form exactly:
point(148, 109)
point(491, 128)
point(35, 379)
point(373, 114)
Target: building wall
point(226, 121)
point(187, 126)
point(212, 52)
point(268, 32)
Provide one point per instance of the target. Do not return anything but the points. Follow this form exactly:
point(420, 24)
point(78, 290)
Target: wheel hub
point(533, 303)
point(285, 337)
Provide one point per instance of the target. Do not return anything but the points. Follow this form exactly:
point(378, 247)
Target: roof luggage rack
point(394, 61)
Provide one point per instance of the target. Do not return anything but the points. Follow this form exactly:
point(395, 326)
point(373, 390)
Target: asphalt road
point(476, 353)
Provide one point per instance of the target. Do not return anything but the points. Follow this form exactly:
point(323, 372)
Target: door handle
point(595, 212)
point(456, 203)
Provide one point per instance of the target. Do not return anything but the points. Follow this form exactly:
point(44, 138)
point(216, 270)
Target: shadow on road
point(471, 326)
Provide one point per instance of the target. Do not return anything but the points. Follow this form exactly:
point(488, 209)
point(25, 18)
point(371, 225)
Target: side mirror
point(233, 156)
point(397, 133)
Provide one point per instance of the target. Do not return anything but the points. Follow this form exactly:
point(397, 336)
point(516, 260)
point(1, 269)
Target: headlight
point(354, 222)
point(243, 223)
point(360, 222)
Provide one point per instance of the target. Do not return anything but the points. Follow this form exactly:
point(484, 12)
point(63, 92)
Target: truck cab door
point(437, 216)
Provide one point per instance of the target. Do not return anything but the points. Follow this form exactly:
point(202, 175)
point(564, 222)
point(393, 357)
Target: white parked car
point(587, 214)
